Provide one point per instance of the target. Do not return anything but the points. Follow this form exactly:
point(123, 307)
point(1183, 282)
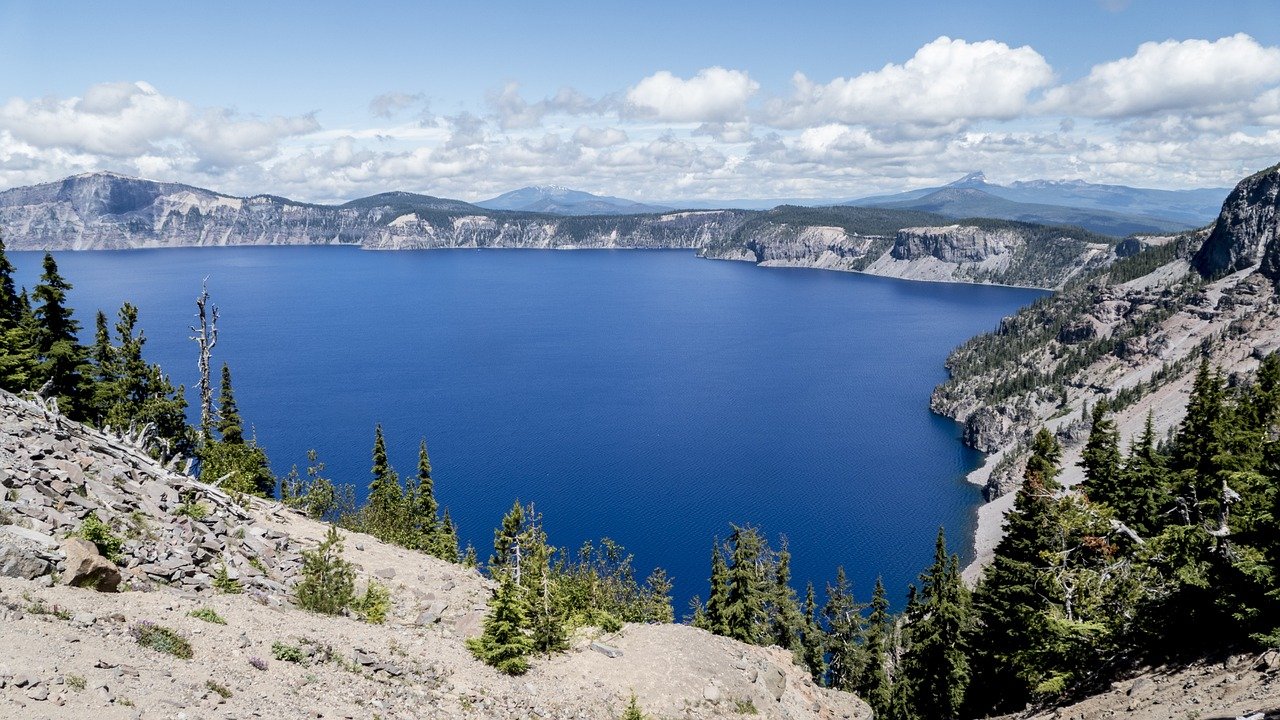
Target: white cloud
point(391, 104)
point(1189, 75)
point(134, 120)
point(599, 137)
point(713, 95)
point(944, 82)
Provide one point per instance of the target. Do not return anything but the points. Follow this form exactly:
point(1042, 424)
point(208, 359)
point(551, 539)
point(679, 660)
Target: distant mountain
point(558, 200)
point(1109, 209)
point(411, 202)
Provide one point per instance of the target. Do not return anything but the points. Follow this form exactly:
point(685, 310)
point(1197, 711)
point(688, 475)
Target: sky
point(326, 102)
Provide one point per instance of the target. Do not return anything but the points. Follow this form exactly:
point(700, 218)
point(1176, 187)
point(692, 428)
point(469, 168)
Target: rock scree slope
point(66, 651)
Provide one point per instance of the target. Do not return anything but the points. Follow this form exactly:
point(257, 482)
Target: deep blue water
point(648, 396)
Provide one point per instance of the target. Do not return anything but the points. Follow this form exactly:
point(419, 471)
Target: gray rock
point(86, 568)
point(774, 680)
point(38, 692)
point(711, 694)
point(608, 651)
point(21, 558)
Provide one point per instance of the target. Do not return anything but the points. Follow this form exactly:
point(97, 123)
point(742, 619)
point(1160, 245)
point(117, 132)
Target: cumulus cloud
point(713, 95)
point(513, 112)
point(599, 137)
point(135, 120)
point(1193, 75)
point(944, 82)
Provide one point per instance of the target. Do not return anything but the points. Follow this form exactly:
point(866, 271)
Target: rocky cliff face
point(955, 244)
point(1247, 232)
point(103, 211)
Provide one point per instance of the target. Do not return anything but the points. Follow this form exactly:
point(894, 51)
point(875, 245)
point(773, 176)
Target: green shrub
point(375, 604)
point(745, 707)
point(223, 583)
point(193, 510)
point(99, 533)
point(328, 582)
point(287, 653)
point(76, 682)
point(208, 615)
point(161, 639)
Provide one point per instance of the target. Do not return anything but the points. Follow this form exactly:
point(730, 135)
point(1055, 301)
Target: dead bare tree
point(206, 336)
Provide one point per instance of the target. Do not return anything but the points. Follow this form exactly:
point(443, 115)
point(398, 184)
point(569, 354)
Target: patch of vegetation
point(374, 606)
point(632, 711)
point(223, 582)
point(208, 614)
point(161, 639)
point(76, 682)
point(221, 690)
point(258, 663)
point(194, 510)
point(745, 706)
point(328, 581)
point(287, 653)
point(99, 533)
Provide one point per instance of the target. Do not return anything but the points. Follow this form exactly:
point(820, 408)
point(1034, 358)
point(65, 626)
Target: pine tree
point(872, 683)
point(469, 559)
point(384, 509)
point(229, 423)
point(107, 386)
point(718, 598)
point(445, 546)
point(1197, 446)
point(10, 306)
point(936, 661)
point(1145, 484)
point(504, 644)
point(844, 633)
point(506, 541)
point(423, 508)
point(786, 623)
point(328, 581)
point(19, 351)
point(62, 358)
point(1008, 599)
point(632, 711)
point(1101, 460)
point(813, 642)
point(744, 603)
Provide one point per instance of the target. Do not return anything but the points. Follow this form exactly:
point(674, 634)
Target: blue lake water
point(648, 396)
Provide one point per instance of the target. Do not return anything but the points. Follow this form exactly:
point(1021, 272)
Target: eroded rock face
point(23, 554)
point(954, 243)
point(1247, 232)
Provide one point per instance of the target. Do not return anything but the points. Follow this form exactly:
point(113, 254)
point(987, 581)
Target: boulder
point(20, 556)
point(773, 680)
point(85, 567)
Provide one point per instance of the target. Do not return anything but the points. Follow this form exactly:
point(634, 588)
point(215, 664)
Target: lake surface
point(648, 396)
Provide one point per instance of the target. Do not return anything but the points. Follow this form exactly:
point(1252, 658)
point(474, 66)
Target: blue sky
point(323, 101)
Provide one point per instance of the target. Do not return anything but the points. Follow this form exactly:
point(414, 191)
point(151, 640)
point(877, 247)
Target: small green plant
point(126, 702)
point(375, 604)
point(632, 711)
point(223, 583)
point(161, 639)
point(207, 614)
point(138, 526)
point(745, 707)
point(99, 533)
point(257, 564)
point(287, 653)
point(76, 682)
point(222, 690)
point(328, 582)
point(194, 510)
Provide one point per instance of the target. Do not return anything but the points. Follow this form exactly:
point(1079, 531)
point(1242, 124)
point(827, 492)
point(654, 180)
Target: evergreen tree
point(10, 305)
point(744, 603)
point(469, 559)
point(229, 423)
point(632, 711)
point(19, 354)
point(718, 599)
point(1145, 491)
point(844, 634)
point(423, 508)
point(506, 541)
point(384, 510)
point(936, 661)
point(1196, 485)
point(504, 644)
point(786, 623)
point(446, 541)
point(328, 581)
point(1101, 460)
point(62, 358)
point(1008, 599)
point(872, 683)
point(813, 642)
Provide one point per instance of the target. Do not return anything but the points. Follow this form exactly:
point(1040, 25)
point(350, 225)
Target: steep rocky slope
point(917, 246)
point(67, 651)
point(1132, 332)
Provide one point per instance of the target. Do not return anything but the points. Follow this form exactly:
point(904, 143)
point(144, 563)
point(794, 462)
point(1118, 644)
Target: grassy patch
point(161, 639)
point(287, 653)
point(208, 615)
point(222, 690)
